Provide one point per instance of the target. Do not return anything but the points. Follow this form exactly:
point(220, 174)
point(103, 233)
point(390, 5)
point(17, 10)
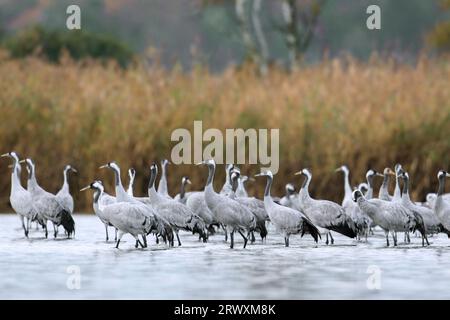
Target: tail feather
point(309, 227)
point(347, 228)
point(443, 230)
point(261, 227)
point(67, 222)
point(419, 224)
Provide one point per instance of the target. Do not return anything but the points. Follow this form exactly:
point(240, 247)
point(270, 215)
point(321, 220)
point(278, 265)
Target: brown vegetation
point(338, 112)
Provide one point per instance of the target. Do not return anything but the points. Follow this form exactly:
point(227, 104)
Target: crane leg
point(232, 239)
point(178, 238)
point(286, 240)
point(55, 230)
point(106, 231)
point(226, 233)
point(387, 238)
point(244, 237)
point(144, 237)
point(138, 243)
point(119, 238)
point(331, 237)
point(24, 227)
point(28, 225)
point(326, 242)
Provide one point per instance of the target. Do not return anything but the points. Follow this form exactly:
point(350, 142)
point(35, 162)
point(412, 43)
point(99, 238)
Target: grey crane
point(104, 200)
point(162, 185)
point(432, 223)
point(361, 220)
point(47, 204)
point(127, 217)
point(177, 214)
point(181, 197)
point(196, 202)
point(391, 216)
point(363, 187)
point(383, 194)
point(323, 213)
point(287, 221)
point(370, 174)
point(288, 199)
point(255, 206)
point(63, 195)
point(226, 189)
point(241, 191)
point(163, 229)
point(442, 207)
point(431, 199)
point(397, 192)
point(227, 211)
point(20, 198)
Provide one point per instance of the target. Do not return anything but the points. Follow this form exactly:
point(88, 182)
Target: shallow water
point(39, 268)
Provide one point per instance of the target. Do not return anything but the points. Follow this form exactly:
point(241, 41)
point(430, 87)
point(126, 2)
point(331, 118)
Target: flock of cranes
point(232, 209)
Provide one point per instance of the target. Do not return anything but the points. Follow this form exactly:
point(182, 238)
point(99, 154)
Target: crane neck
point(66, 180)
point(162, 185)
point(211, 173)
point(397, 191)
point(98, 193)
point(305, 184)
point(121, 194)
point(369, 194)
point(182, 190)
point(441, 188)
point(154, 196)
point(347, 187)
point(130, 186)
point(405, 187)
point(15, 178)
point(386, 180)
point(268, 187)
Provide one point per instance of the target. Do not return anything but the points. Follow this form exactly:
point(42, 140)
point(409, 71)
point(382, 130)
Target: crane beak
point(259, 175)
point(338, 169)
point(188, 181)
point(298, 173)
point(447, 175)
point(22, 161)
point(103, 166)
point(251, 179)
point(200, 163)
point(379, 174)
point(5, 155)
point(74, 170)
point(85, 188)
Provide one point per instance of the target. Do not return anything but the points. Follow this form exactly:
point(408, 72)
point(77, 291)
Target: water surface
point(39, 268)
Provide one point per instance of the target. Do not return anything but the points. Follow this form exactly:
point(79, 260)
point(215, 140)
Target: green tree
point(79, 44)
point(439, 38)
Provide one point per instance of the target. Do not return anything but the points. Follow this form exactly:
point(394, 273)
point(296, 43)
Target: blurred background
point(137, 70)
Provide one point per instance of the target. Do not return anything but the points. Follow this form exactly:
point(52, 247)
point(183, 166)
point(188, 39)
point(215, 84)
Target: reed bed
point(365, 115)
